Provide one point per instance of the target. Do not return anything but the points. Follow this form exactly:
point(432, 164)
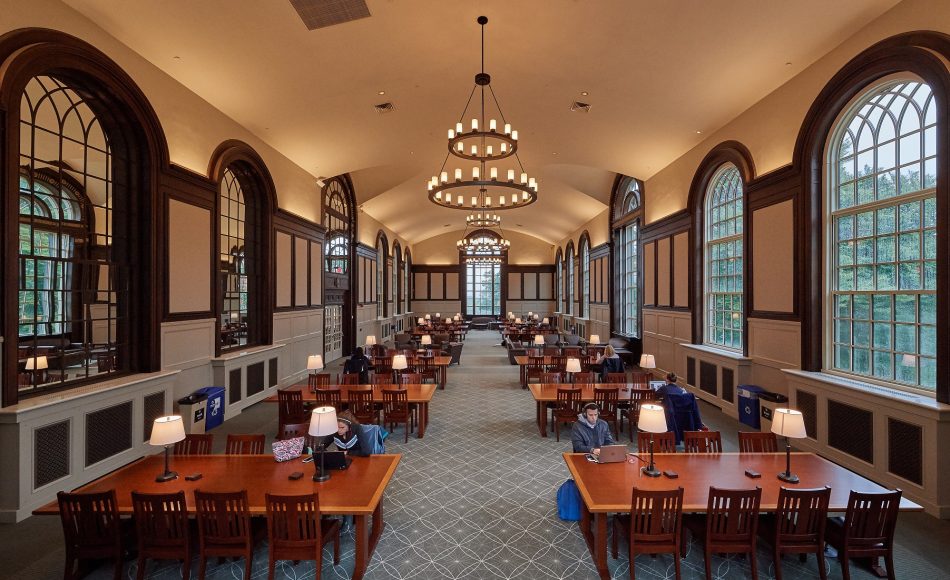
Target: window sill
point(870, 389)
point(721, 353)
point(251, 351)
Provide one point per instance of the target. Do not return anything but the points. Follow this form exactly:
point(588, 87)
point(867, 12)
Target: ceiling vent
point(322, 13)
point(580, 107)
point(384, 108)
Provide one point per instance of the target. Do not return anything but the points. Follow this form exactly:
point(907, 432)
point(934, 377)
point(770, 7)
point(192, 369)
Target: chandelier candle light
point(491, 186)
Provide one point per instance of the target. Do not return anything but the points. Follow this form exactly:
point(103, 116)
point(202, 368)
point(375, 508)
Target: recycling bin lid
point(192, 399)
point(773, 397)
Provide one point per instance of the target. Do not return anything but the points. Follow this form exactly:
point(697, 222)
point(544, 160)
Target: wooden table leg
point(600, 545)
point(543, 419)
point(423, 418)
point(362, 547)
point(442, 377)
point(585, 528)
point(377, 527)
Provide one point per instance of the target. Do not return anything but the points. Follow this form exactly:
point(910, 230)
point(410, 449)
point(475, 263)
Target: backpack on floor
point(569, 502)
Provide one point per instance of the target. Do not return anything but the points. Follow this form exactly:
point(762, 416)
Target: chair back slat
point(662, 442)
point(616, 378)
point(317, 381)
point(195, 444)
point(757, 442)
point(871, 518)
point(223, 518)
point(801, 515)
point(289, 405)
point(732, 515)
point(161, 519)
point(245, 444)
point(702, 441)
point(656, 516)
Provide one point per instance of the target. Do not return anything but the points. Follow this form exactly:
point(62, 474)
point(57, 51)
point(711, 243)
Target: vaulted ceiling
point(659, 76)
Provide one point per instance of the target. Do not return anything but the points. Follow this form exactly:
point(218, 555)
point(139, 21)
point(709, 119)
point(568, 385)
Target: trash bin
point(749, 405)
point(768, 402)
point(192, 410)
point(215, 415)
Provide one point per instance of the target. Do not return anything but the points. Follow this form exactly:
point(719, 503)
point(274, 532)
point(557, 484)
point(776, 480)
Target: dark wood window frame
point(619, 219)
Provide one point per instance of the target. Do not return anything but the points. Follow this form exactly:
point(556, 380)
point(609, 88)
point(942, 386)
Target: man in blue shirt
point(590, 432)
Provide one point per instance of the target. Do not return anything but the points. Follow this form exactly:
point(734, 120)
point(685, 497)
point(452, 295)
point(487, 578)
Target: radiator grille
point(272, 373)
point(690, 371)
point(154, 408)
point(707, 377)
point(905, 444)
point(728, 384)
point(808, 405)
point(255, 378)
point(234, 386)
point(850, 429)
point(108, 432)
point(322, 13)
point(50, 453)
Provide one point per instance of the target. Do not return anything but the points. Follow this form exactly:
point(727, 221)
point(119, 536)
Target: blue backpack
point(569, 502)
point(374, 435)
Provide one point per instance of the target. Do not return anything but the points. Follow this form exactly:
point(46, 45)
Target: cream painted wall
point(770, 127)
point(367, 227)
point(189, 256)
point(192, 126)
point(441, 250)
point(598, 229)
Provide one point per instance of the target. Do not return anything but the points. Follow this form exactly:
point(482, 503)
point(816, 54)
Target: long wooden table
point(545, 393)
point(606, 488)
point(357, 491)
point(419, 395)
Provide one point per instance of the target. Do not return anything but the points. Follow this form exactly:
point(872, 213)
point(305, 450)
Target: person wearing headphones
point(590, 432)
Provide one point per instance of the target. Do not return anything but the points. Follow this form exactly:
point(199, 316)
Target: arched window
point(569, 282)
point(584, 252)
point(724, 258)
point(627, 215)
point(396, 288)
point(559, 280)
point(882, 237)
point(233, 263)
point(337, 218)
point(483, 274)
point(381, 257)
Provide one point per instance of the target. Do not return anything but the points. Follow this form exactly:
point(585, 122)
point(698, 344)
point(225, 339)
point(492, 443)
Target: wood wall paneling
point(189, 251)
point(316, 273)
point(514, 285)
point(649, 274)
point(663, 272)
point(300, 274)
point(681, 270)
point(284, 268)
point(452, 288)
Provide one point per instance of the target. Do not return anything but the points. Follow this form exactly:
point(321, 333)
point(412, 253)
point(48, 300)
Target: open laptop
point(612, 454)
point(334, 459)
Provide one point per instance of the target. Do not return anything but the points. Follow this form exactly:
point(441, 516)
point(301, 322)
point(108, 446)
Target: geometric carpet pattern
point(476, 499)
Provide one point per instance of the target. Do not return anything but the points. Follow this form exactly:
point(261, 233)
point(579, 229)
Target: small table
point(357, 491)
point(545, 393)
point(420, 395)
point(605, 488)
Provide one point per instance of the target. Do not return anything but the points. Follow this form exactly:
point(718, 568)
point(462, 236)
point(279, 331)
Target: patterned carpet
point(476, 498)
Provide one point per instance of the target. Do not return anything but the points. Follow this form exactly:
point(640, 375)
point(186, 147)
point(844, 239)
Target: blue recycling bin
point(748, 405)
point(214, 415)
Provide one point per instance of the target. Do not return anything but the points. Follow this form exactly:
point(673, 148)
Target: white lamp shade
point(595, 339)
point(530, 314)
point(458, 315)
point(511, 315)
point(789, 423)
point(456, 318)
point(315, 362)
point(536, 316)
point(538, 339)
point(546, 321)
point(399, 362)
point(421, 321)
point(428, 317)
point(323, 422)
point(426, 339)
point(37, 363)
point(647, 361)
point(438, 315)
point(652, 419)
point(573, 365)
point(517, 320)
point(167, 430)
point(371, 340)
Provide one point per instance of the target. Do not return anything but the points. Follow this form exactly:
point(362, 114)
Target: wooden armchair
point(654, 525)
point(92, 531)
point(224, 528)
point(290, 408)
point(728, 527)
point(195, 444)
point(607, 398)
point(162, 529)
point(396, 410)
point(798, 526)
point(297, 530)
point(315, 382)
point(245, 444)
point(867, 529)
point(702, 442)
point(566, 409)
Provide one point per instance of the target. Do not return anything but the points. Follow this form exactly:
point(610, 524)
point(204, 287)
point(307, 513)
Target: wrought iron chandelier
point(483, 240)
point(490, 186)
point(483, 220)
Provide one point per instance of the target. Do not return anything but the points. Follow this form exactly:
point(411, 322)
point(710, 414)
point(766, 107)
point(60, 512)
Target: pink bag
point(287, 449)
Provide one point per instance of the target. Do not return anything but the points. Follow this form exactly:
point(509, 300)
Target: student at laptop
point(590, 432)
point(610, 362)
point(347, 437)
point(670, 387)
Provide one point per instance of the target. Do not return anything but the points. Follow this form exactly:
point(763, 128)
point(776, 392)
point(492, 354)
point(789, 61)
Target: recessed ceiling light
point(698, 132)
point(554, 153)
point(584, 93)
point(381, 93)
point(789, 63)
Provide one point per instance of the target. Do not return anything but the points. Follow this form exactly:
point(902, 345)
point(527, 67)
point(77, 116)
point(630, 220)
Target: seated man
point(590, 432)
point(670, 387)
point(358, 364)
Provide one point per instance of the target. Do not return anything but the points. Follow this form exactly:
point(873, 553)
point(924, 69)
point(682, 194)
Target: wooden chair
point(632, 413)
point(798, 526)
point(195, 444)
point(427, 368)
point(224, 528)
point(566, 409)
point(756, 442)
point(328, 398)
point(654, 525)
point(585, 378)
point(702, 442)
point(383, 364)
point(348, 379)
point(290, 408)
point(571, 351)
point(382, 379)
point(616, 378)
point(535, 368)
point(91, 530)
point(606, 398)
point(297, 531)
point(410, 379)
point(244, 444)
point(558, 364)
point(662, 442)
point(867, 529)
point(396, 410)
point(728, 527)
point(161, 526)
point(318, 381)
point(547, 378)
point(362, 406)
point(641, 379)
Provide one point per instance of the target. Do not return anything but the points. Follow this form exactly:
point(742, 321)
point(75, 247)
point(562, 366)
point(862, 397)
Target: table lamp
point(652, 420)
point(315, 363)
point(371, 340)
point(538, 340)
point(438, 315)
point(428, 317)
point(530, 314)
point(167, 431)
point(456, 318)
point(518, 320)
point(322, 423)
point(647, 361)
point(37, 365)
point(545, 321)
point(426, 340)
point(788, 423)
point(511, 316)
point(399, 363)
point(594, 339)
point(420, 321)
point(572, 366)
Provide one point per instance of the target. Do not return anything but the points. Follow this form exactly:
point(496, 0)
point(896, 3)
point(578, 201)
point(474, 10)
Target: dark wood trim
point(365, 251)
point(667, 226)
point(301, 227)
point(600, 251)
point(667, 308)
point(184, 316)
point(773, 315)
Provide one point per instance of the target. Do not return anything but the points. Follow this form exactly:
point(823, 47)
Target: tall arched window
point(627, 215)
point(233, 263)
point(559, 280)
point(483, 274)
point(397, 288)
point(381, 256)
point(569, 282)
point(584, 253)
point(882, 237)
point(724, 259)
point(337, 218)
